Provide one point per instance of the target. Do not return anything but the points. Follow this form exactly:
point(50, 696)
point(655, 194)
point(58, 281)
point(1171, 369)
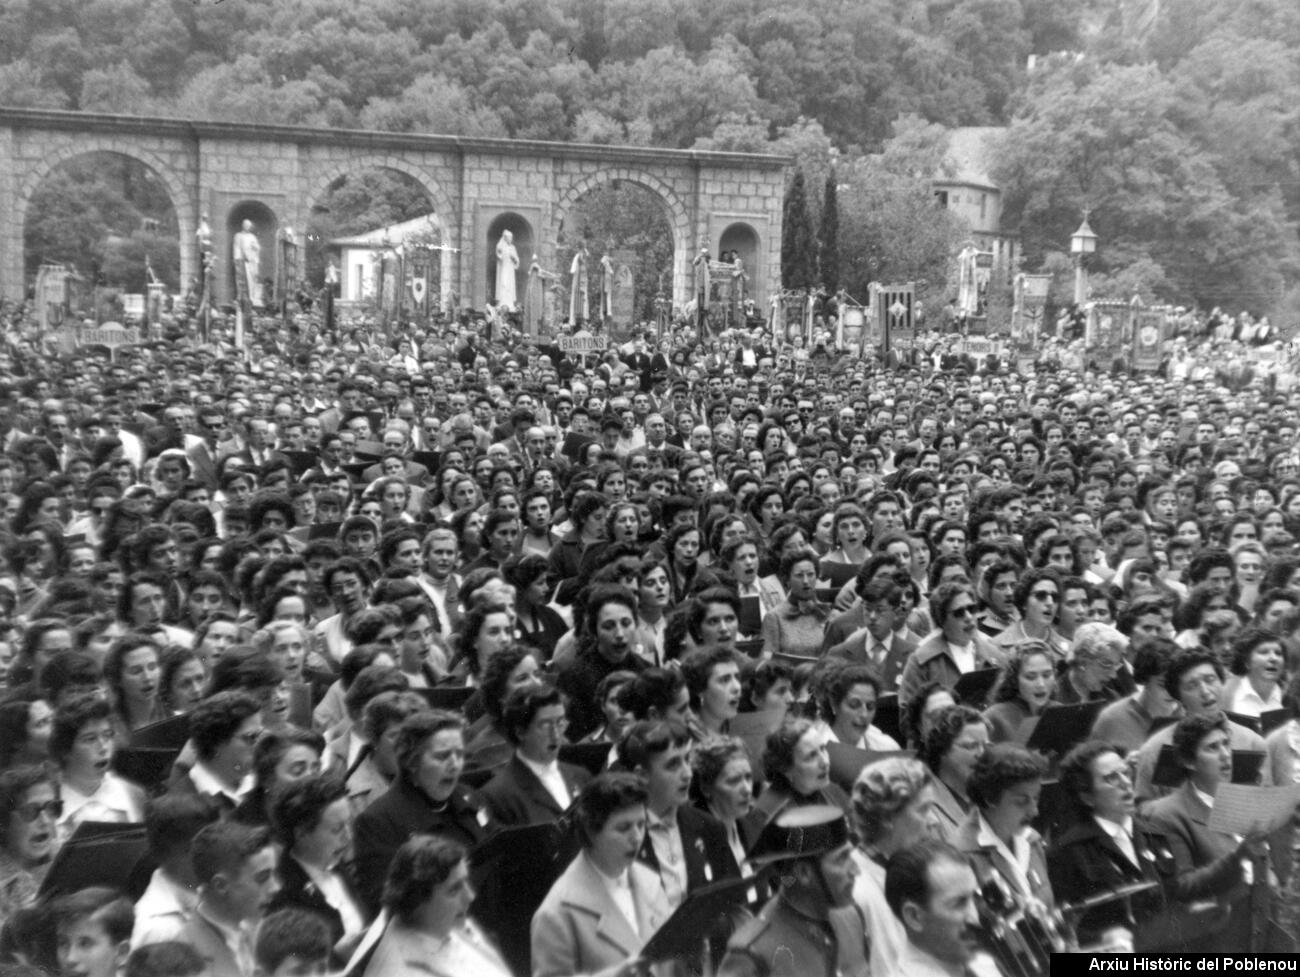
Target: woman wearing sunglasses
point(29, 812)
point(954, 649)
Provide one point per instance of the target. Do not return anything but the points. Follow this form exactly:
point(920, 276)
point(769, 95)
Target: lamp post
point(1083, 242)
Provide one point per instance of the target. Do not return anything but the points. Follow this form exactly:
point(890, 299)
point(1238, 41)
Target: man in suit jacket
point(1211, 864)
point(684, 846)
point(876, 644)
point(534, 787)
point(235, 866)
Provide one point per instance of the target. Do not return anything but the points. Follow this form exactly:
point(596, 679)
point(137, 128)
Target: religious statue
point(535, 304)
point(606, 287)
point(967, 287)
point(507, 268)
point(578, 294)
point(204, 234)
point(700, 273)
point(738, 280)
point(247, 255)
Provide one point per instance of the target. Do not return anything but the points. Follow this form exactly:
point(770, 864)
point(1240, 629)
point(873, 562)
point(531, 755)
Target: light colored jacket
point(579, 931)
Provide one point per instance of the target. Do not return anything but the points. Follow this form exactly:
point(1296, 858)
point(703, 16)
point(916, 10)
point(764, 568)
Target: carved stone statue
point(507, 267)
point(247, 255)
point(578, 305)
point(535, 303)
point(606, 287)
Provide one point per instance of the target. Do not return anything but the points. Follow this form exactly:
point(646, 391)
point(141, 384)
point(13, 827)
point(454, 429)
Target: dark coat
point(297, 891)
point(578, 679)
point(1085, 862)
point(704, 844)
point(402, 811)
point(854, 651)
point(516, 797)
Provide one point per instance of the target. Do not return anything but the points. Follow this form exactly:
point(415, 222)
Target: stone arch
point(679, 215)
point(177, 192)
point(442, 203)
point(445, 213)
point(743, 237)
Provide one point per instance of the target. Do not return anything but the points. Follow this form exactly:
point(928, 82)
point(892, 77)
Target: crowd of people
point(414, 649)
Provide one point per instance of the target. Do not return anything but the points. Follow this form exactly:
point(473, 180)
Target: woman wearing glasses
point(30, 809)
point(1104, 848)
point(1037, 598)
point(956, 648)
point(957, 738)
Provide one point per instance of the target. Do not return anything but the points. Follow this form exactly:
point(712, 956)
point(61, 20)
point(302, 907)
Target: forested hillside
point(1175, 123)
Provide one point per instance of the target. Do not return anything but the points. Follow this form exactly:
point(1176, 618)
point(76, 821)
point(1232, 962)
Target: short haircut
point(288, 933)
point(495, 681)
point(699, 608)
point(167, 959)
point(944, 730)
point(216, 719)
point(882, 790)
point(778, 750)
point(224, 846)
point(1075, 772)
point(649, 738)
point(1191, 730)
point(602, 798)
point(386, 709)
point(297, 807)
point(172, 820)
point(370, 681)
point(416, 731)
point(522, 706)
point(654, 688)
point(16, 783)
point(907, 874)
point(1184, 663)
point(1000, 767)
point(698, 666)
point(712, 754)
point(1152, 659)
point(70, 719)
point(108, 907)
point(423, 863)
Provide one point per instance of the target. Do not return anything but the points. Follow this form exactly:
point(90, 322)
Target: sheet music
point(1241, 808)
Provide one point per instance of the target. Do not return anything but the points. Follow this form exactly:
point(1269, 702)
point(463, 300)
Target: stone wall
point(216, 167)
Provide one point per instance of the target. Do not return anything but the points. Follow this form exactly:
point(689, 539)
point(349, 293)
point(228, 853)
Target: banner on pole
point(1147, 345)
point(895, 305)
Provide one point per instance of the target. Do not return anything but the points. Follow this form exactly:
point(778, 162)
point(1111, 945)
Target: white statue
point(507, 267)
point(578, 305)
point(247, 255)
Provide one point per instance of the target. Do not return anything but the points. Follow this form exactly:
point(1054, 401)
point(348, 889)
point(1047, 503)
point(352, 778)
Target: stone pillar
point(11, 232)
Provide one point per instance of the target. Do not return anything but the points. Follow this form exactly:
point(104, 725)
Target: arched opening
point(266, 226)
point(522, 233)
point(107, 218)
point(740, 240)
point(377, 226)
point(631, 225)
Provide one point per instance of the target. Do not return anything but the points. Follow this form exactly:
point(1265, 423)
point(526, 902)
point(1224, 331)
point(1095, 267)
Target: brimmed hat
point(801, 832)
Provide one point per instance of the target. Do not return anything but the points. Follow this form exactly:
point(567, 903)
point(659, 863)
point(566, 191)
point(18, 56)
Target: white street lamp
point(1082, 242)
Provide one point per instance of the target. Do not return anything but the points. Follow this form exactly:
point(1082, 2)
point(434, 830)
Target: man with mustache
point(931, 887)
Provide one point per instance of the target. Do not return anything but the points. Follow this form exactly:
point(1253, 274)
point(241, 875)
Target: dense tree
point(1176, 122)
point(829, 235)
point(798, 244)
point(103, 214)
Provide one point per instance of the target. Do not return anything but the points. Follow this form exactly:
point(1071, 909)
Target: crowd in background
point(311, 625)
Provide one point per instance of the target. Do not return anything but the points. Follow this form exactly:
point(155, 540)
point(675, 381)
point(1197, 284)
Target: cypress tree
point(798, 244)
point(830, 236)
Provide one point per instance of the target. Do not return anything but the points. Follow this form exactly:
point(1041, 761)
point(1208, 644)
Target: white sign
point(110, 334)
point(581, 342)
point(133, 306)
